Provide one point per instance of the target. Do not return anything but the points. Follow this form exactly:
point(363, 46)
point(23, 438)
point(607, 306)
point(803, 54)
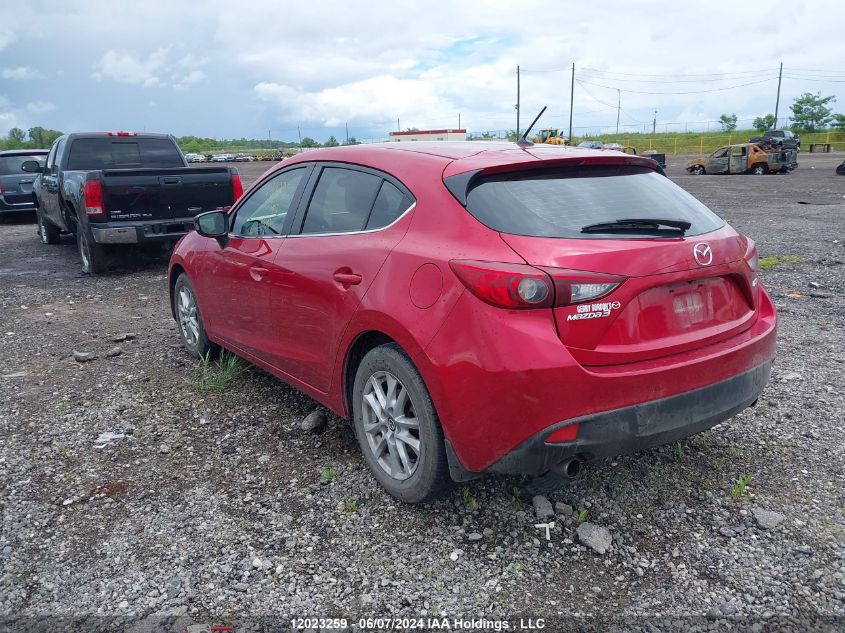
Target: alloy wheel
point(391, 426)
point(188, 317)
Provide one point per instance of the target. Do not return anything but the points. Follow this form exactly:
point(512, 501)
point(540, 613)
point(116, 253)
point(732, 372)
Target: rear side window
point(341, 202)
point(558, 203)
point(120, 153)
point(390, 204)
point(12, 164)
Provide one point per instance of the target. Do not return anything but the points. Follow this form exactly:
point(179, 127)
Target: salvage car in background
point(441, 296)
point(745, 158)
point(15, 183)
point(110, 189)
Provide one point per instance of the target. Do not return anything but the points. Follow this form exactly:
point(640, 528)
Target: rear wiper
point(638, 225)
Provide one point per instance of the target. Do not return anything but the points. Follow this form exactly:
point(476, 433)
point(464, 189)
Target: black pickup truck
point(778, 138)
point(116, 188)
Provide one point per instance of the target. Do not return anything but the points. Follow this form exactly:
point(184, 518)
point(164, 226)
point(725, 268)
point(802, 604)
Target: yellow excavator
point(552, 136)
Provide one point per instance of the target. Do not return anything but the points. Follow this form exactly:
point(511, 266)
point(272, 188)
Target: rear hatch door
point(677, 290)
point(16, 184)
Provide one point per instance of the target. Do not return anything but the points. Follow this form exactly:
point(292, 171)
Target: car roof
point(24, 152)
point(463, 156)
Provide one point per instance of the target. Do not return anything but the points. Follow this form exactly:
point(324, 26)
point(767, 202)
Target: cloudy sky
point(256, 67)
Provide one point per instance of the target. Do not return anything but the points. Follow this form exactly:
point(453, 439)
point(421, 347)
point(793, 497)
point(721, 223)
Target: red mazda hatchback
point(483, 307)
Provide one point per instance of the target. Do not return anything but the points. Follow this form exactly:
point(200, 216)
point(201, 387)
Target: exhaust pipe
point(570, 468)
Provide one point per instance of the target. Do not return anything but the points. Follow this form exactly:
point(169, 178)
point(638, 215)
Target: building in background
point(429, 135)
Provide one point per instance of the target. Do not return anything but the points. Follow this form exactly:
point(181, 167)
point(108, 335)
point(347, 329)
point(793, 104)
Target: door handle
point(348, 279)
point(257, 272)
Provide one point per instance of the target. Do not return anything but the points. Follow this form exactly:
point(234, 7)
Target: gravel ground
point(215, 506)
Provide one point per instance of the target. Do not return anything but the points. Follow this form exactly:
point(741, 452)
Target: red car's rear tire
point(397, 426)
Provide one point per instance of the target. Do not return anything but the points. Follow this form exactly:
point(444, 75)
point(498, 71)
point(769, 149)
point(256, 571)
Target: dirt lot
point(211, 505)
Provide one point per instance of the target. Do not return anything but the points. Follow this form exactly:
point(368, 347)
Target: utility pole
point(654, 123)
point(398, 128)
point(517, 101)
point(459, 120)
point(571, 100)
point(299, 133)
point(347, 133)
point(618, 108)
point(777, 101)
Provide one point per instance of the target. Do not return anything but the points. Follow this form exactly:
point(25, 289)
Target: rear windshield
point(119, 153)
point(12, 164)
point(558, 203)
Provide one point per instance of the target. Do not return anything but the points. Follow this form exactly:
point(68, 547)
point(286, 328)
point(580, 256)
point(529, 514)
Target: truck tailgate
point(151, 194)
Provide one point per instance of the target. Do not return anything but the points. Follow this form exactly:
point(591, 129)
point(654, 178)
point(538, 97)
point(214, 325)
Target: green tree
point(352, 141)
point(42, 137)
point(765, 122)
point(839, 121)
point(332, 142)
point(309, 142)
point(512, 136)
point(810, 111)
point(16, 138)
point(728, 122)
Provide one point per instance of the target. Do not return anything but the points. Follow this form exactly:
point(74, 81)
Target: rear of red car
point(628, 316)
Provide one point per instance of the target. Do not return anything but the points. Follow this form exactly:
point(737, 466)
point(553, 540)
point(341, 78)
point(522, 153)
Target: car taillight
point(577, 286)
point(237, 186)
point(516, 286)
point(751, 256)
point(93, 195)
point(520, 286)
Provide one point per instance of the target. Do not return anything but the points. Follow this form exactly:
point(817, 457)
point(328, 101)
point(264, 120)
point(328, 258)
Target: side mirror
point(31, 166)
point(213, 224)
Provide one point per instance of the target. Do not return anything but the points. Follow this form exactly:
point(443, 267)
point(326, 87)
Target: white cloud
point(129, 67)
point(6, 37)
point(193, 77)
point(20, 72)
point(40, 106)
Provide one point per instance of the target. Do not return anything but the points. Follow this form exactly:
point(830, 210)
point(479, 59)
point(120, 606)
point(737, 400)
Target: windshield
point(113, 153)
point(12, 164)
point(559, 202)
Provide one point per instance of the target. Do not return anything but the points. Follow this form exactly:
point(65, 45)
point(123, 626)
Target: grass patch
point(351, 505)
point(327, 475)
point(771, 261)
point(740, 488)
point(581, 516)
point(470, 501)
point(678, 449)
point(218, 375)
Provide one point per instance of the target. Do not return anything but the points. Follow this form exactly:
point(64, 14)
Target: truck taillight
point(93, 195)
point(237, 186)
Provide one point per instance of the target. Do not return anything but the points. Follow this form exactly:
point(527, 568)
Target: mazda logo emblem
point(703, 254)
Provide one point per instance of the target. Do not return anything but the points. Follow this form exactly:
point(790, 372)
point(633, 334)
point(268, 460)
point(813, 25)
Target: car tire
point(400, 437)
point(188, 317)
point(759, 169)
point(698, 170)
point(94, 256)
point(48, 232)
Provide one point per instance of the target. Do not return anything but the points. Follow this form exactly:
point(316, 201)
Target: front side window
point(265, 211)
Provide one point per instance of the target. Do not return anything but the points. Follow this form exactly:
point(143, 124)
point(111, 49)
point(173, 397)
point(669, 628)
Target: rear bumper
point(504, 385)
point(151, 231)
point(641, 426)
point(11, 207)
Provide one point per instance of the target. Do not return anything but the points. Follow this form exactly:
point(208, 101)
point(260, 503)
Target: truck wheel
point(759, 169)
point(48, 232)
point(93, 255)
point(397, 426)
point(191, 328)
point(698, 170)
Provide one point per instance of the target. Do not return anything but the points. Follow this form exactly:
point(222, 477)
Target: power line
point(725, 74)
point(691, 92)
